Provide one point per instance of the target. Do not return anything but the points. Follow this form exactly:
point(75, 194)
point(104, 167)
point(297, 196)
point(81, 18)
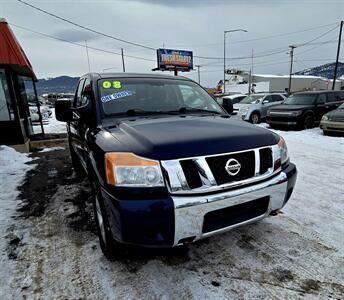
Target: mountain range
point(326, 70)
point(60, 84)
point(67, 84)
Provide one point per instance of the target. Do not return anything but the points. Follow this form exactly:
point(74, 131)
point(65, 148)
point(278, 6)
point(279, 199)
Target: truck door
point(321, 106)
point(74, 126)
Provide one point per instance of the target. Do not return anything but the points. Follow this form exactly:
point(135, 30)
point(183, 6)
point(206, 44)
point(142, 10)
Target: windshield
point(341, 106)
point(251, 99)
point(120, 95)
point(301, 99)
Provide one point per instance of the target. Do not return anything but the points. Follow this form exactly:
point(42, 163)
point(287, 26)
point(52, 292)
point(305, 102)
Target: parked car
point(333, 121)
point(228, 101)
point(304, 109)
point(166, 163)
point(253, 108)
point(235, 98)
point(46, 112)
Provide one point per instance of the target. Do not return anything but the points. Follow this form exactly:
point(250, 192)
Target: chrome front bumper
point(190, 210)
point(332, 125)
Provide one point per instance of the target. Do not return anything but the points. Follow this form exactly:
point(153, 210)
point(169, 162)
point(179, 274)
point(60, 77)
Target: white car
point(253, 108)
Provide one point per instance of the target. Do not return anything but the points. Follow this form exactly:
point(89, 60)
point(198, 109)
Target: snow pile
point(54, 126)
point(314, 137)
point(13, 169)
point(52, 149)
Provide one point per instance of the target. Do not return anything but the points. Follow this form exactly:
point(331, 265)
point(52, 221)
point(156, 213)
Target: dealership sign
point(169, 59)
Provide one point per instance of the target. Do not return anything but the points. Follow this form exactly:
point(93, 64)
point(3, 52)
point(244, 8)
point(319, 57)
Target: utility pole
point(224, 54)
point(123, 60)
point(338, 50)
point(88, 58)
point(199, 73)
point(251, 73)
point(291, 66)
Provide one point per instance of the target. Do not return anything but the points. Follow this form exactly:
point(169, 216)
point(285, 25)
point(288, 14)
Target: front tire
point(255, 118)
point(308, 122)
point(109, 246)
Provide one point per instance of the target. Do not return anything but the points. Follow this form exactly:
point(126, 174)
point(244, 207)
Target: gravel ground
point(52, 251)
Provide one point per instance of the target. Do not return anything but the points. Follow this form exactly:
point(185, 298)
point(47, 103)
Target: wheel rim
point(255, 119)
point(100, 220)
point(308, 123)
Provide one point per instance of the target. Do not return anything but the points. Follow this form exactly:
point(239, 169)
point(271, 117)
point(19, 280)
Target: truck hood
point(186, 136)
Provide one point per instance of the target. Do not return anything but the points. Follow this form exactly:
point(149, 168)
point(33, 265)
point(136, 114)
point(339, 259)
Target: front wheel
point(109, 246)
point(308, 122)
point(255, 118)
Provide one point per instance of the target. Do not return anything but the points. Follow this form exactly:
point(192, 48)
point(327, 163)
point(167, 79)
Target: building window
point(6, 110)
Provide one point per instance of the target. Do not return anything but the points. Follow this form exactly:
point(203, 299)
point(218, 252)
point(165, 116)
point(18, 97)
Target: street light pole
point(199, 73)
point(224, 54)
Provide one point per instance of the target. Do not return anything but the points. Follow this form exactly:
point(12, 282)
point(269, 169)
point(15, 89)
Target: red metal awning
point(11, 52)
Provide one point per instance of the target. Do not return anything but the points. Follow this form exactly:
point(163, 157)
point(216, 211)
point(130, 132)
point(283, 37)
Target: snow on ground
point(13, 169)
point(54, 126)
point(297, 254)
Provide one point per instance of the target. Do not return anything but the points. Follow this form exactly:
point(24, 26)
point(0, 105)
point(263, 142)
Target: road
point(52, 251)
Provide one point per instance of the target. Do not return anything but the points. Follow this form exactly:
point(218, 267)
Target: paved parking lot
point(51, 250)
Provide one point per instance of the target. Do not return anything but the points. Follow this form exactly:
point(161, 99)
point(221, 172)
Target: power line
point(318, 37)
point(84, 27)
point(264, 37)
point(144, 46)
point(77, 44)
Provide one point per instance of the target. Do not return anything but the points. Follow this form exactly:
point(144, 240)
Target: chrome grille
point(207, 173)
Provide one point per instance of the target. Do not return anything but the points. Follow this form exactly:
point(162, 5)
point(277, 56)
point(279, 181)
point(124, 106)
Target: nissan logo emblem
point(233, 167)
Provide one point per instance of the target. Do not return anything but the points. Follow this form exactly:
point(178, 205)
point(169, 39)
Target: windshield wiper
point(139, 111)
point(186, 109)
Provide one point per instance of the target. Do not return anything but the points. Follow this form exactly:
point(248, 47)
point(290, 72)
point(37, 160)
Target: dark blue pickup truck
point(167, 164)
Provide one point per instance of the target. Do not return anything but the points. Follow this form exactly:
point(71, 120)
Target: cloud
point(75, 35)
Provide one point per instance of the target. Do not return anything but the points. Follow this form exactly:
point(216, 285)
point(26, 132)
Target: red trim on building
point(11, 52)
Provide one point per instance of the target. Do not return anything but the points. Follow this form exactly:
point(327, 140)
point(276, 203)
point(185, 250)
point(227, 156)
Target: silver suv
point(254, 107)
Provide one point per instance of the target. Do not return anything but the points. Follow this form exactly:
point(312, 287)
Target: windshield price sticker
point(115, 96)
point(114, 84)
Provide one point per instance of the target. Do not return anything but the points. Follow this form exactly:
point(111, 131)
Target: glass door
point(30, 109)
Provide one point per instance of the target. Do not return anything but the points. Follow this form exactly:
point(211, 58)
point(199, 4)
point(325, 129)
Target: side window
point(269, 98)
point(321, 99)
point(332, 97)
point(85, 97)
point(341, 96)
point(78, 93)
point(276, 98)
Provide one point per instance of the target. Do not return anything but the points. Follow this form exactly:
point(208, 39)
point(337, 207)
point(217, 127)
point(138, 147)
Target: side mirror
point(63, 110)
point(228, 105)
point(265, 101)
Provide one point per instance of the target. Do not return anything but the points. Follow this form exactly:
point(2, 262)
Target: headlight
point(128, 169)
point(325, 118)
point(283, 150)
point(296, 113)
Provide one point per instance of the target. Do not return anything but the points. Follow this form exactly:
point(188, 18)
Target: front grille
point(337, 119)
point(217, 165)
point(191, 173)
point(265, 160)
point(229, 216)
